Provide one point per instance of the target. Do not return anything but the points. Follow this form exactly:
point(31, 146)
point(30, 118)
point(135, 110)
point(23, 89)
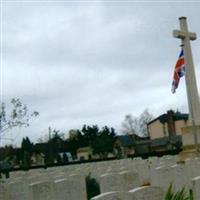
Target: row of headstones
point(179, 174)
point(137, 173)
point(71, 188)
point(162, 174)
point(145, 193)
point(30, 186)
point(97, 169)
point(140, 193)
point(18, 186)
point(64, 189)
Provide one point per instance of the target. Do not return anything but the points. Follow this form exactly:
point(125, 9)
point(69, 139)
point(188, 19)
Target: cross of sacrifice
point(190, 79)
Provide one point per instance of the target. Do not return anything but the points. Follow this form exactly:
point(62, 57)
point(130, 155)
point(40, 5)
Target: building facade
point(167, 125)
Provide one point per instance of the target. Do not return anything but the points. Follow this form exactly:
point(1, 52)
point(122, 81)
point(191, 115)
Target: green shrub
point(92, 187)
point(179, 195)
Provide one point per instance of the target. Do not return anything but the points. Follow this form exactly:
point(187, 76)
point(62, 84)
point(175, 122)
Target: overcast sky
point(92, 62)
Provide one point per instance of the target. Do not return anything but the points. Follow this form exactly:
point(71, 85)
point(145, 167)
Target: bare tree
point(144, 119)
point(18, 116)
point(137, 125)
point(130, 125)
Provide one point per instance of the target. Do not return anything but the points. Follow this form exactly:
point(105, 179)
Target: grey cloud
point(94, 63)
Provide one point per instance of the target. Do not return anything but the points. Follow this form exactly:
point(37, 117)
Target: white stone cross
point(190, 78)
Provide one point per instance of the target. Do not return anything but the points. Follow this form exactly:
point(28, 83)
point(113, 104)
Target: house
point(124, 146)
point(165, 131)
point(37, 158)
point(167, 144)
point(84, 153)
point(142, 147)
point(168, 124)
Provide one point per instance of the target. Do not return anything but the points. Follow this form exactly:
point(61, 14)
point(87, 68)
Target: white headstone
point(42, 190)
point(143, 170)
point(122, 181)
point(18, 190)
point(129, 180)
point(80, 183)
point(147, 193)
point(3, 191)
point(69, 189)
point(110, 182)
point(162, 177)
point(180, 176)
point(196, 187)
point(115, 195)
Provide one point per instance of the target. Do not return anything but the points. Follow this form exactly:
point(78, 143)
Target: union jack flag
point(179, 71)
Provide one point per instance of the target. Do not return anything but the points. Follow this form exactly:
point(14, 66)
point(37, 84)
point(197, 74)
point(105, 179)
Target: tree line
point(101, 140)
